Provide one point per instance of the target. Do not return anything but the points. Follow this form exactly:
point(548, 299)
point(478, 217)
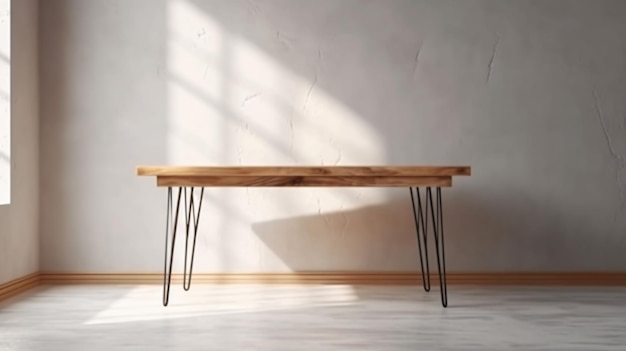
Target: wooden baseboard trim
point(19, 285)
point(30, 281)
point(352, 278)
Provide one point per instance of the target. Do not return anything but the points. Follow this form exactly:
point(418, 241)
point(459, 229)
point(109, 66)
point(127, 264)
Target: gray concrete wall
point(19, 220)
point(529, 93)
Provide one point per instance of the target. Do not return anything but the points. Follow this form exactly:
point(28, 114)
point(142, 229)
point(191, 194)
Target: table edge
point(280, 171)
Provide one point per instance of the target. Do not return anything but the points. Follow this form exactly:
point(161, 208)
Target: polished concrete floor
point(308, 317)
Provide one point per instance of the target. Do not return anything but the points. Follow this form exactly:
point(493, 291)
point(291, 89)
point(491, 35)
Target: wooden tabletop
point(304, 175)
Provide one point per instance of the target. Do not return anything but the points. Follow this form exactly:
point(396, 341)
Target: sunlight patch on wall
point(235, 99)
point(231, 102)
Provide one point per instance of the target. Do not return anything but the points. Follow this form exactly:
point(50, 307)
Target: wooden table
point(188, 178)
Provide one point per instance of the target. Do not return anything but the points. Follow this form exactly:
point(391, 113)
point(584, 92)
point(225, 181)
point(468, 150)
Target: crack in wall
point(493, 58)
point(255, 8)
point(340, 232)
point(600, 115)
point(417, 58)
point(619, 160)
point(316, 79)
point(284, 40)
point(248, 98)
point(206, 71)
point(331, 141)
point(201, 33)
point(338, 157)
point(319, 212)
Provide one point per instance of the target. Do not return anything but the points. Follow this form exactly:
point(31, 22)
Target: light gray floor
point(308, 317)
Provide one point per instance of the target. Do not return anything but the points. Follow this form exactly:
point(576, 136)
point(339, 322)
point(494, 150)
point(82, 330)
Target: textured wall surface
point(19, 221)
point(529, 93)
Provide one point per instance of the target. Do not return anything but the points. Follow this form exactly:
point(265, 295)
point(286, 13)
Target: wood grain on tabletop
point(330, 171)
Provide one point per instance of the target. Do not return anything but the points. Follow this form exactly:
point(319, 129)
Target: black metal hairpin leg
point(170, 223)
point(419, 224)
point(437, 218)
point(190, 213)
point(171, 226)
